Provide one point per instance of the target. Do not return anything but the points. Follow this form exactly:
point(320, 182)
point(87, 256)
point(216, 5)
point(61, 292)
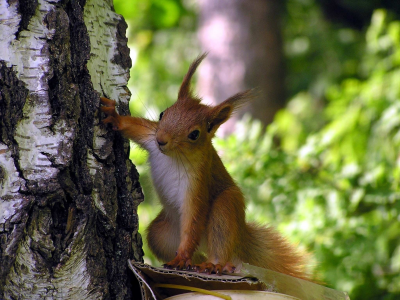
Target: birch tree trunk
point(68, 192)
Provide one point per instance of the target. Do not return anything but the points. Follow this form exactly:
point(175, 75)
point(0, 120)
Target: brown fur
point(213, 209)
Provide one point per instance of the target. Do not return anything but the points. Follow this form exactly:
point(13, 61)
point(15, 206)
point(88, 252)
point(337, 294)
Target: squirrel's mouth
point(167, 150)
point(161, 149)
point(164, 149)
point(163, 141)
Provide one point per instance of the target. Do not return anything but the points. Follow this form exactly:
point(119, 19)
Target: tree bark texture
point(244, 42)
point(68, 192)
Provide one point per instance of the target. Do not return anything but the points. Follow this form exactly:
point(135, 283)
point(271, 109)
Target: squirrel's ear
point(184, 91)
point(223, 111)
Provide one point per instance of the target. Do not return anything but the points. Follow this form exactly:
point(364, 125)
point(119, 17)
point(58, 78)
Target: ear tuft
point(223, 111)
point(240, 99)
point(184, 91)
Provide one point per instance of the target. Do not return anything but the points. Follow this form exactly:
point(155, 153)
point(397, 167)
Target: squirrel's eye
point(194, 135)
point(161, 115)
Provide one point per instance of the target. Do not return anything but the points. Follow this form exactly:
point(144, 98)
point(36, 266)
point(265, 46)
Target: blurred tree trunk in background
point(244, 42)
point(68, 192)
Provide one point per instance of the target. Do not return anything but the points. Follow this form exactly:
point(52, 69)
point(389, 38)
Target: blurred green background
point(326, 171)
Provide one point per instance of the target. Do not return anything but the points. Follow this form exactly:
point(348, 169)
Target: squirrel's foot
point(179, 263)
point(209, 268)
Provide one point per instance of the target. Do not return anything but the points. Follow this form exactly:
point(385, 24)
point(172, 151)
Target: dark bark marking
point(122, 57)
point(2, 175)
point(10, 239)
point(27, 9)
point(62, 92)
point(80, 41)
point(13, 94)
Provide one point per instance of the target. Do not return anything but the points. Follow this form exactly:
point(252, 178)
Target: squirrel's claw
point(112, 121)
point(205, 267)
point(209, 268)
point(167, 266)
point(179, 263)
point(218, 269)
point(229, 268)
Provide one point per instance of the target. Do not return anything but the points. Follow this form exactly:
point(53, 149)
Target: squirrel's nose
point(161, 142)
point(162, 138)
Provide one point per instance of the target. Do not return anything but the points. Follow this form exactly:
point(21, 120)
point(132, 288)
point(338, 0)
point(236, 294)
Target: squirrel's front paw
point(109, 110)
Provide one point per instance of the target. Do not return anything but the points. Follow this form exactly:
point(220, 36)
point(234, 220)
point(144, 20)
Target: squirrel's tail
point(265, 247)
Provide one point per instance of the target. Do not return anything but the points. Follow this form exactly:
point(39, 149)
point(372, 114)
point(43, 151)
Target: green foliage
point(335, 188)
point(162, 42)
point(318, 52)
point(150, 14)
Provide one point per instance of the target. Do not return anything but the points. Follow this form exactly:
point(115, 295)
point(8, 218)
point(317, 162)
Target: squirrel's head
point(188, 125)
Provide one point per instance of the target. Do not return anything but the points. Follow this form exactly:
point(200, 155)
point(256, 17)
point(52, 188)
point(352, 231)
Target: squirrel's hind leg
point(163, 237)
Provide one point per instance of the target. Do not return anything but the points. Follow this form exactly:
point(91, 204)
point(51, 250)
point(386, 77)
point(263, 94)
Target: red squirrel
point(203, 208)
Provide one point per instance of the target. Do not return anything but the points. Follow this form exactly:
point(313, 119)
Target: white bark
point(40, 150)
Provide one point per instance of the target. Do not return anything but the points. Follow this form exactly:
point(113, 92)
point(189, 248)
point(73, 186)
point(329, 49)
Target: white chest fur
point(170, 179)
